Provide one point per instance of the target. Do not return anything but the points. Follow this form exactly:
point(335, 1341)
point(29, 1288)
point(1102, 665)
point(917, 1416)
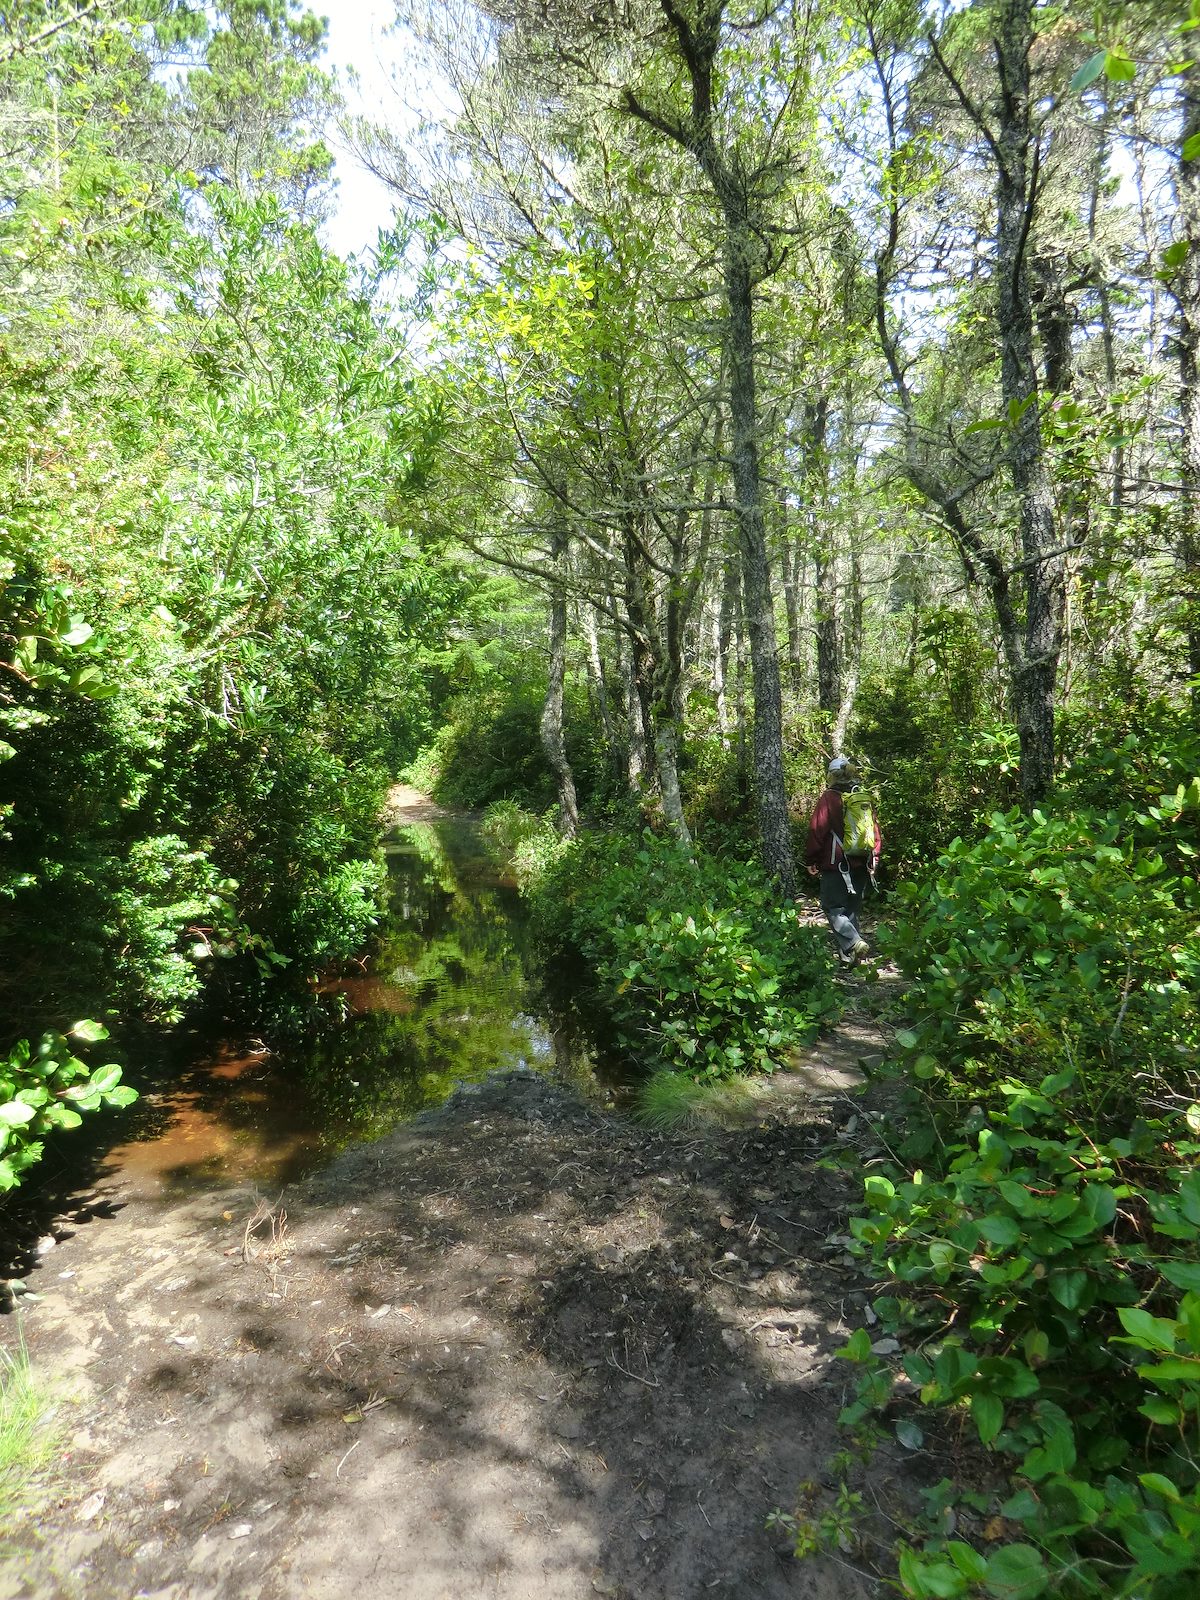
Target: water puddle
point(440, 999)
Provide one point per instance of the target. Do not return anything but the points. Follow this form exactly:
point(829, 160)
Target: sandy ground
point(405, 804)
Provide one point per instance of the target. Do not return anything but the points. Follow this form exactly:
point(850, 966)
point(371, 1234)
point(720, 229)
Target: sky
point(356, 42)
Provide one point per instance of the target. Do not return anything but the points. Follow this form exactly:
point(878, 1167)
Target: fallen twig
point(651, 1383)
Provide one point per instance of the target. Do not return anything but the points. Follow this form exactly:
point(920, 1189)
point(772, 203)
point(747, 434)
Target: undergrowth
point(688, 963)
point(1036, 1233)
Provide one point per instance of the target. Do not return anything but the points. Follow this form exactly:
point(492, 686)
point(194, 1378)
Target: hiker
point(843, 849)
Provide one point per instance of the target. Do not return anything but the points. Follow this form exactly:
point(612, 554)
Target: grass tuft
point(673, 1100)
point(28, 1440)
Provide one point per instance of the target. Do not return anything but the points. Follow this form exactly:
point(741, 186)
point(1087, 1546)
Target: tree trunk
point(635, 724)
point(666, 754)
point(599, 688)
point(1043, 567)
point(720, 657)
point(789, 565)
point(741, 719)
point(1186, 289)
point(553, 741)
point(697, 38)
point(823, 545)
point(854, 638)
point(829, 655)
point(774, 827)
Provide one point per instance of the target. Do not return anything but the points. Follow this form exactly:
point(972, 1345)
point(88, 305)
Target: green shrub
point(531, 843)
point(1047, 1284)
point(1123, 754)
point(489, 745)
point(294, 829)
point(49, 1087)
point(663, 961)
point(937, 744)
point(1042, 1263)
point(1058, 943)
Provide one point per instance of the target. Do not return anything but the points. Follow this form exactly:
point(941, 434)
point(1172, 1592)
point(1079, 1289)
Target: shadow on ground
point(518, 1349)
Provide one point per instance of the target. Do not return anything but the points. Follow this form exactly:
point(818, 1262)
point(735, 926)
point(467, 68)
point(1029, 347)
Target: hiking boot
point(856, 953)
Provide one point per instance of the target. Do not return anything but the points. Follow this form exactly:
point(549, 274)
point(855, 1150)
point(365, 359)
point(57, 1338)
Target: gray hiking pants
point(843, 909)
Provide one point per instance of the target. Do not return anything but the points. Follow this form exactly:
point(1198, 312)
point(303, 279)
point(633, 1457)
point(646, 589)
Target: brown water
point(441, 998)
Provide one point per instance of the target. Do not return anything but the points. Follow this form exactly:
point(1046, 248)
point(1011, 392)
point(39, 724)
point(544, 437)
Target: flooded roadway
point(441, 998)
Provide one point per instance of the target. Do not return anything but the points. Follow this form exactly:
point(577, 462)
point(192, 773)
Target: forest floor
point(521, 1348)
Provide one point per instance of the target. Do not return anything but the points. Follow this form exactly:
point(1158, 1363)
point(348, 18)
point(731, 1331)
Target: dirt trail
point(520, 1348)
point(405, 804)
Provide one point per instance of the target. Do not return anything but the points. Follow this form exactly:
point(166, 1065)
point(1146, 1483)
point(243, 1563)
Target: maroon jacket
point(826, 820)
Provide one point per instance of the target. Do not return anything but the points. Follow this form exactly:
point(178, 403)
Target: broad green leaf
point(927, 1578)
point(968, 1561)
point(857, 1346)
point(1057, 1454)
point(942, 1254)
point(1146, 1331)
point(1159, 1409)
point(1016, 1572)
point(1000, 1230)
point(1068, 1288)
point(1157, 1484)
point(90, 1032)
point(1099, 1200)
point(1089, 71)
point(1183, 1274)
point(105, 1078)
point(1118, 67)
point(988, 1411)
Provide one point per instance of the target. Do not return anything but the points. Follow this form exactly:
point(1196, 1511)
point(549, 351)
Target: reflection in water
point(444, 998)
point(230, 1117)
point(441, 998)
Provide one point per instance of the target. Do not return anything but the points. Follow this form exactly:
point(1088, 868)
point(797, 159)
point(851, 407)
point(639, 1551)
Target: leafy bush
point(489, 746)
point(1043, 1262)
point(532, 843)
point(46, 1088)
point(681, 978)
point(210, 620)
point(1123, 754)
point(1068, 1273)
point(1058, 943)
